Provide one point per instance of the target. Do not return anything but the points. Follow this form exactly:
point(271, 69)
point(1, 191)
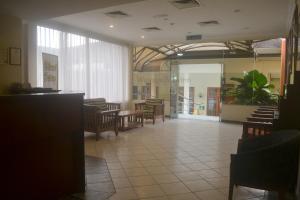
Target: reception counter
point(42, 145)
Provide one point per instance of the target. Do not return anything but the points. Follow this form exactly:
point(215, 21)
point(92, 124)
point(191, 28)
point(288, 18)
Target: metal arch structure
point(144, 56)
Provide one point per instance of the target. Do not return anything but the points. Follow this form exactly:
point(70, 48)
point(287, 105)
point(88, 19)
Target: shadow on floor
point(99, 185)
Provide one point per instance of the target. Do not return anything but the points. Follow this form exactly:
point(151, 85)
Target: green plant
point(254, 89)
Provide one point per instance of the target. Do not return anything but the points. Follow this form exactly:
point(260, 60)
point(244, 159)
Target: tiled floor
point(99, 184)
point(175, 160)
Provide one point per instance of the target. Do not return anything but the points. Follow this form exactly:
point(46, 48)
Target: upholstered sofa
point(269, 162)
point(152, 109)
point(100, 116)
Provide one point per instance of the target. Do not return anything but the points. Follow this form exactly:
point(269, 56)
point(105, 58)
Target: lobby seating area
point(150, 100)
point(100, 116)
point(152, 109)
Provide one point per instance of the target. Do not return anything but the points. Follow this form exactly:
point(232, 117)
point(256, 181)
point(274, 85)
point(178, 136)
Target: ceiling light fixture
point(143, 37)
point(180, 54)
point(111, 26)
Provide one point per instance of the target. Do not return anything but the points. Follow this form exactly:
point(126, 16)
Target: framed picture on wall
point(14, 56)
point(50, 71)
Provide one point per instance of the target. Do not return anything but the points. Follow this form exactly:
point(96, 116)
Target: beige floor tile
point(223, 171)
point(136, 171)
point(124, 194)
point(157, 198)
point(196, 166)
point(177, 168)
point(142, 181)
point(131, 164)
point(158, 170)
point(224, 191)
point(220, 182)
point(217, 164)
point(188, 176)
point(151, 163)
point(121, 182)
point(209, 173)
point(211, 195)
point(165, 178)
point(149, 191)
point(114, 166)
point(180, 146)
point(174, 188)
point(117, 173)
point(198, 185)
point(187, 196)
point(171, 162)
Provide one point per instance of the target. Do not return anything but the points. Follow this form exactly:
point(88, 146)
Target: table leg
point(122, 123)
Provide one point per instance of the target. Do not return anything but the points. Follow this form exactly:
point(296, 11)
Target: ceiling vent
point(194, 37)
point(150, 29)
point(209, 23)
point(183, 4)
point(117, 14)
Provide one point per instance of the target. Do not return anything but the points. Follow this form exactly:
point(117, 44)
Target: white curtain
point(97, 68)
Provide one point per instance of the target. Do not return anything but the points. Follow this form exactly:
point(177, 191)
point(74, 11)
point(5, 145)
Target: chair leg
point(153, 119)
point(117, 131)
point(163, 118)
point(97, 136)
point(231, 187)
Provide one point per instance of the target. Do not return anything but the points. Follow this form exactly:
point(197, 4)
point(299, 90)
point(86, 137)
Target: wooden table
point(130, 119)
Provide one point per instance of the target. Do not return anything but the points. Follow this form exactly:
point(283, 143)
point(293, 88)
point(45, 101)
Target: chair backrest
point(154, 101)
point(99, 102)
point(255, 129)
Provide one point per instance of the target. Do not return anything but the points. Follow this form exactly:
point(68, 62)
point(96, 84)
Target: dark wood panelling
point(42, 144)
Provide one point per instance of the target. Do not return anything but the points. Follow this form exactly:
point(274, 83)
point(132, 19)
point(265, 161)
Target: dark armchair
point(152, 109)
point(269, 163)
point(100, 116)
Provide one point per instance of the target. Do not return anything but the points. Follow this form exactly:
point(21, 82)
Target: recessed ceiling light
point(111, 26)
point(179, 54)
point(143, 37)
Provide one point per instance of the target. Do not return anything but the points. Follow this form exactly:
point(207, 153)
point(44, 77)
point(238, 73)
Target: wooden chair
point(152, 109)
point(262, 115)
point(255, 129)
point(268, 107)
point(268, 163)
point(264, 112)
point(260, 119)
point(100, 116)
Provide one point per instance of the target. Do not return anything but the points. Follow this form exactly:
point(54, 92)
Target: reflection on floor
point(177, 160)
point(99, 185)
point(199, 117)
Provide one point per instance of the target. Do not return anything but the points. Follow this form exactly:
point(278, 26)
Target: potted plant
point(254, 89)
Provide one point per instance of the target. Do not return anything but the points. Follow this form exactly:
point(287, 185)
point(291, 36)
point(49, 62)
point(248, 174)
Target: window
point(97, 68)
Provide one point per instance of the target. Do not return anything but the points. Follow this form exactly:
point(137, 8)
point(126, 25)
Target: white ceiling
point(35, 10)
point(256, 19)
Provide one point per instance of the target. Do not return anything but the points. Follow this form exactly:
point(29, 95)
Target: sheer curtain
point(97, 68)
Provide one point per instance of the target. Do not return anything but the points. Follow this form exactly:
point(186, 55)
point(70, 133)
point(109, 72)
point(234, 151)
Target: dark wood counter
point(42, 146)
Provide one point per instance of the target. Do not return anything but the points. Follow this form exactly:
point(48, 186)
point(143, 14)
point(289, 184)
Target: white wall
point(236, 113)
point(10, 36)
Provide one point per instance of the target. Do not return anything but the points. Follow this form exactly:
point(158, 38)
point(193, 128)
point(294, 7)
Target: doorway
point(199, 91)
point(213, 101)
